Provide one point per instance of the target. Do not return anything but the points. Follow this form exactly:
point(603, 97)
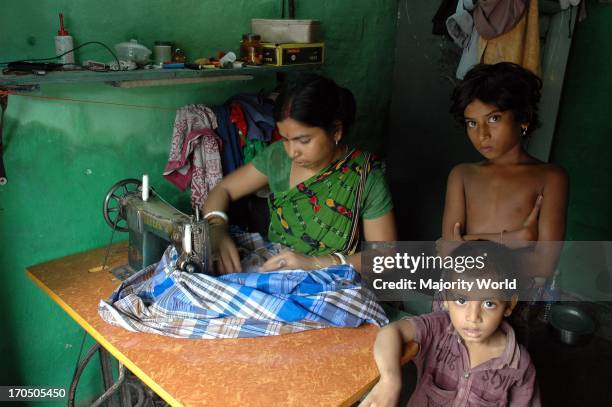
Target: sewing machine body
point(153, 225)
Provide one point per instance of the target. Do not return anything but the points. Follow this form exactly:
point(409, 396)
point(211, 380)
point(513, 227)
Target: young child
point(510, 196)
point(468, 355)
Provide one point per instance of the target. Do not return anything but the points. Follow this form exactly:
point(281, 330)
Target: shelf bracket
point(19, 88)
point(177, 81)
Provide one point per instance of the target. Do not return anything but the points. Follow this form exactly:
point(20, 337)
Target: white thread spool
point(187, 239)
point(64, 43)
point(145, 187)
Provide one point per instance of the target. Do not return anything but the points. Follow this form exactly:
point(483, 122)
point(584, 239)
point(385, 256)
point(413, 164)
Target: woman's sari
point(321, 215)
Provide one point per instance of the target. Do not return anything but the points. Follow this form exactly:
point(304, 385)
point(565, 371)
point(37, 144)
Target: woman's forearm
point(355, 261)
point(218, 200)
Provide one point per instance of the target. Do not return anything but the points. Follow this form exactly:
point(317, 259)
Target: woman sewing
point(323, 194)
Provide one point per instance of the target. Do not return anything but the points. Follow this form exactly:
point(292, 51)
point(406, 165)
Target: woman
point(321, 189)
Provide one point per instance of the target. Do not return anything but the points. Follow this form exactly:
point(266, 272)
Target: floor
point(571, 375)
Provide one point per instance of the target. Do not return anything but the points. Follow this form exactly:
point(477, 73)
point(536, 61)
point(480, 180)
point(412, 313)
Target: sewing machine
point(153, 224)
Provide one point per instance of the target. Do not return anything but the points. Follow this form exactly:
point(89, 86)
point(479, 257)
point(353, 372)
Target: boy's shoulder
point(437, 321)
point(462, 169)
point(549, 173)
point(525, 358)
point(521, 359)
point(553, 170)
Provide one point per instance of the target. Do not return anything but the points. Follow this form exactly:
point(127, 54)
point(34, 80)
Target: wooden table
point(330, 366)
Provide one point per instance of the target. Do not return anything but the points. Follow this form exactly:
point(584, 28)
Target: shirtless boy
point(509, 197)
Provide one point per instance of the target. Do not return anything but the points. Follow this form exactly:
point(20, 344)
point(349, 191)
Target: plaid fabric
point(163, 300)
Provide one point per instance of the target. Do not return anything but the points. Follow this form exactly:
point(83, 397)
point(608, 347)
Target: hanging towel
point(520, 45)
point(496, 17)
point(194, 152)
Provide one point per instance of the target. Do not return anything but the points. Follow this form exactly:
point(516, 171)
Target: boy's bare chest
point(500, 200)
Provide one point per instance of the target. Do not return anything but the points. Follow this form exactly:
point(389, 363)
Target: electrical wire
point(69, 51)
point(95, 102)
point(78, 371)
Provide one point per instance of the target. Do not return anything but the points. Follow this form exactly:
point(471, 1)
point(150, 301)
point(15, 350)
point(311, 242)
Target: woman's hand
point(224, 249)
point(385, 393)
point(290, 260)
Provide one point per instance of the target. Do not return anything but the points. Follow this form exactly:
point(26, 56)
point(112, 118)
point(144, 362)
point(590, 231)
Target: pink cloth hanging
point(195, 152)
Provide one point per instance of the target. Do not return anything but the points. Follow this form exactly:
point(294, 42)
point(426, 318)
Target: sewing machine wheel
point(113, 215)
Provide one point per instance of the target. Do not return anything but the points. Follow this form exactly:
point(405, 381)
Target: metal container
point(162, 52)
point(571, 325)
point(286, 31)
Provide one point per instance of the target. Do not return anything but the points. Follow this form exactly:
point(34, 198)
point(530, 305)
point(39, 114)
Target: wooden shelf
point(147, 77)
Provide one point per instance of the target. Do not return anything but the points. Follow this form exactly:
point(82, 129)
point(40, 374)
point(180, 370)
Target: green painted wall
point(582, 145)
point(62, 156)
point(583, 139)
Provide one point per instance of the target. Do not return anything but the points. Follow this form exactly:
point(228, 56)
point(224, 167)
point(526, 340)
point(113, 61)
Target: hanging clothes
point(461, 29)
point(446, 9)
point(461, 24)
point(250, 147)
point(258, 116)
point(470, 55)
point(231, 150)
point(493, 18)
point(194, 152)
point(520, 45)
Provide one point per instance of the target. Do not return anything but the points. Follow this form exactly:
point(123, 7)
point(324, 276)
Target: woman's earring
point(524, 132)
point(337, 142)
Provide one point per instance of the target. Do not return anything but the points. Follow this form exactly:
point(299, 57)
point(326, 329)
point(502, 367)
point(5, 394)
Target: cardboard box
point(293, 53)
point(286, 31)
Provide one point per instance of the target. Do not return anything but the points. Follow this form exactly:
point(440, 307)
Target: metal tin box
point(286, 31)
point(292, 54)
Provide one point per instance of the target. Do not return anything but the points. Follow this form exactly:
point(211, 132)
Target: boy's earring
point(524, 132)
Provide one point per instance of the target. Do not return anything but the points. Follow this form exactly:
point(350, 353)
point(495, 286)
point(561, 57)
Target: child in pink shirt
point(468, 354)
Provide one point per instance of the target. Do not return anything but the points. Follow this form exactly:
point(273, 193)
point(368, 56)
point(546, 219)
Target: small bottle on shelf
point(250, 49)
point(63, 44)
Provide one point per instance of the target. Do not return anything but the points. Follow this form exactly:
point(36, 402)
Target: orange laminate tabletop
point(332, 366)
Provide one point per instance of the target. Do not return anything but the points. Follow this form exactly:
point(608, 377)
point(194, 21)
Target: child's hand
point(529, 231)
point(457, 236)
point(385, 394)
point(444, 247)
